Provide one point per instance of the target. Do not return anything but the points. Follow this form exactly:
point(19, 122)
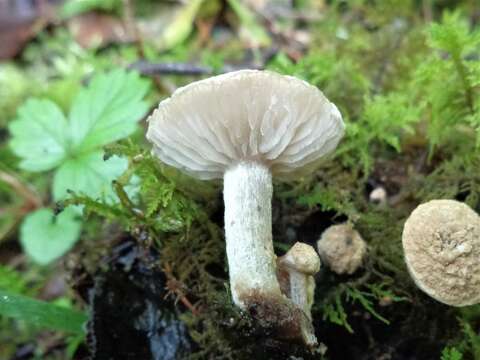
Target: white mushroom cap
point(212, 124)
point(441, 241)
point(302, 258)
point(342, 248)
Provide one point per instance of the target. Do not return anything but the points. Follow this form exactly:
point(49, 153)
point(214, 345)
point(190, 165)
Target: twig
point(29, 195)
point(175, 286)
point(31, 201)
point(147, 68)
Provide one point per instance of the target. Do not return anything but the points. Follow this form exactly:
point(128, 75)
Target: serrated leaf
point(40, 313)
point(90, 175)
point(107, 110)
point(39, 135)
point(46, 237)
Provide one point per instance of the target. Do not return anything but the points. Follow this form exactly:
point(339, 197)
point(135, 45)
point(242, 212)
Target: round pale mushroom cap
point(342, 248)
point(302, 258)
point(441, 241)
point(248, 115)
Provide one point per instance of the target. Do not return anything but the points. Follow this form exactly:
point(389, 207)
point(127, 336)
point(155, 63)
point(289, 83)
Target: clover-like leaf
point(89, 175)
point(103, 112)
point(39, 135)
point(107, 110)
point(46, 237)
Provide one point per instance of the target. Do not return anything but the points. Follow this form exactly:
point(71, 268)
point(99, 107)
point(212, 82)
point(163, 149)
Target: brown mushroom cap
point(441, 241)
point(248, 115)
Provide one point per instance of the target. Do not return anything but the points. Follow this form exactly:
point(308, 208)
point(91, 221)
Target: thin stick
point(174, 286)
point(29, 195)
point(147, 68)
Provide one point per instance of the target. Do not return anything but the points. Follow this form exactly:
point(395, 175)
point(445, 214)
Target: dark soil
point(130, 315)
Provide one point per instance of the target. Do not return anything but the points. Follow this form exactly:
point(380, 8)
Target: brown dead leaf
point(93, 30)
point(20, 21)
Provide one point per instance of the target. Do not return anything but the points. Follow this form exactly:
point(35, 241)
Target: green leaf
point(39, 135)
point(41, 314)
point(89, 175)
point(46, 237)
point(107, 110)
point(181, 26)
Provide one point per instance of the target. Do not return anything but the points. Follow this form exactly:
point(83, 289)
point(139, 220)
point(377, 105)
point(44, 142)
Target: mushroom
point(295, 272)
point(300, 263)
point(378, 196)
point(342, 248)
point(245, 126)
point(441, 242)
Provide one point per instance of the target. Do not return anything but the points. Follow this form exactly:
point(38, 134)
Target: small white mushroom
point(441, 242)
point(378, 196)
point(342, 248)
point(295, 271)
point(243, 127)
point(301, 262)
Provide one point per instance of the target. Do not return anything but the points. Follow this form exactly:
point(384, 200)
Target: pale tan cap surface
point(209, 125)
point(342, 248)
point(302, 258)
point(441, 241)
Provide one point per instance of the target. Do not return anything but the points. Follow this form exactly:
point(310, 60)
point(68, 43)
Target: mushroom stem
point(248, 232)
point(302, 288)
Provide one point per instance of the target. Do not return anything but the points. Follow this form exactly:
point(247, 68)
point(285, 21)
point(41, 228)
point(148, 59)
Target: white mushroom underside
point(278, 120)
